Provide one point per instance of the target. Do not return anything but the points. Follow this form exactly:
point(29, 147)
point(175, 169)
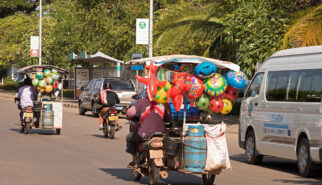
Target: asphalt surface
point(80, 155)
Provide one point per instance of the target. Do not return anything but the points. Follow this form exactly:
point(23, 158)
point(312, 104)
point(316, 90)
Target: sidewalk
point(67, 102)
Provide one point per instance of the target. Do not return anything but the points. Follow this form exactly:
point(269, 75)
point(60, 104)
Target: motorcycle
point(110, 123)
point(151, 159)
point(27, 120)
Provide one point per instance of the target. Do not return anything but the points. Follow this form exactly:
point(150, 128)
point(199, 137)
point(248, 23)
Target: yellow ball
point(49, 88)
point(41, 90)
point(227, 106)
point(162, 95)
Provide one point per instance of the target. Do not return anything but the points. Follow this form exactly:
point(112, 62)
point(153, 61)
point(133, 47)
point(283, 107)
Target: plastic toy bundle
point(46, 81)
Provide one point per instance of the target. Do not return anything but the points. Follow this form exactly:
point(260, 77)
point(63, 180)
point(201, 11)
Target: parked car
point(87, 100)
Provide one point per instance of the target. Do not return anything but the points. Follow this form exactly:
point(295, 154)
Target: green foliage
point(68, 93)
point(10, 85)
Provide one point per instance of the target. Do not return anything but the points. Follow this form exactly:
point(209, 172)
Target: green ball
point(55, 75)
point(203, 102)
point(49, 80)
point(47, 72)
point(35, 82)
point(39, 75)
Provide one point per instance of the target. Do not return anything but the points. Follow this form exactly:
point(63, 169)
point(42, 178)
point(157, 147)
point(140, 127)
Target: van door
point(249, 106)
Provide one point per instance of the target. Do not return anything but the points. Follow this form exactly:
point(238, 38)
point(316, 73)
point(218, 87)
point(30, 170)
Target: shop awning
point(100, 57)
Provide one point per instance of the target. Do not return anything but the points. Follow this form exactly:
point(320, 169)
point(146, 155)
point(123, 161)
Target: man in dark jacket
point(107, 98)
point(151, 116)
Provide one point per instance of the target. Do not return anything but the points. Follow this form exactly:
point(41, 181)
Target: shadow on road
point(36, 131)
point(174, 178)
point(283, 165)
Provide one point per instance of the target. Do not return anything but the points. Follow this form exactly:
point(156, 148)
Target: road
point(80, 155)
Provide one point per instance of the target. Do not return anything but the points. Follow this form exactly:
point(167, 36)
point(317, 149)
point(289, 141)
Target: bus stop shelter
point(85, 74)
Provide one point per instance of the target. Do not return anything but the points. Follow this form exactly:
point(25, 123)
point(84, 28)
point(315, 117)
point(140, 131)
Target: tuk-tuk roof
point(28, 69)
point(188, 59)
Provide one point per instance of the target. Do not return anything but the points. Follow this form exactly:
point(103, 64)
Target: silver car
point(125, 90)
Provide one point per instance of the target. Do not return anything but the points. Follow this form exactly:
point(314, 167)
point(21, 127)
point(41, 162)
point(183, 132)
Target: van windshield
point(120, 85)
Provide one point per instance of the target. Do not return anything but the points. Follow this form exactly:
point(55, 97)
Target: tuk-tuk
point(184, 147)
point(47, 112)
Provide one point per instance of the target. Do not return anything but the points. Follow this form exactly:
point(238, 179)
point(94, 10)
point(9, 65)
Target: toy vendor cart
point(47, 112)
point(194, 81)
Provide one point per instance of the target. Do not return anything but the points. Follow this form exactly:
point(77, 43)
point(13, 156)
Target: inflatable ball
point(42, 83)
point(47, 72)
point(205, 69)
point(231, 93)
point(203, 102)
point(48, 88)
point(39, 75)
point(163, 93)
point(196, 89)
point(216, 105)
point(35, 82)
point(215, 85)
point(227, 106)
point(237, 79)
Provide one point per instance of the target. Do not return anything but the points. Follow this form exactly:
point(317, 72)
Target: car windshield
point(121, 85)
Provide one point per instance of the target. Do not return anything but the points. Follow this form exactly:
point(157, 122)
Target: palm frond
point(306, 29)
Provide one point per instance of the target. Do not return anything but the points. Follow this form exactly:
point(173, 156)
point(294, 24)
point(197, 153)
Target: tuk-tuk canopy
point(32, 68)
point(188, 59)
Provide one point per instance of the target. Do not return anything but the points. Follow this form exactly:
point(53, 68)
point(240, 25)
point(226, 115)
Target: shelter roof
point(100, 57)
point(30, 68)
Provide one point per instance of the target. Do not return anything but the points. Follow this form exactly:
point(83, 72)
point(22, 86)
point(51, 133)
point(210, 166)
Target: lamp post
point(151, 30)
point(40, 16)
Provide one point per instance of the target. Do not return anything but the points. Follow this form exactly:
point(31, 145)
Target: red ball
point(216, 105)
point(231, 93)
point(55, 84)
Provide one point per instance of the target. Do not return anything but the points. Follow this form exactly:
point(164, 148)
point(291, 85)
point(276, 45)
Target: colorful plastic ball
point(47, 72)
point(215, 85)
point(35, 82)
point(39, 75)
point(203, 102)
point(55, 84)
point(237, 79)
point(205, 69)
point(54, 71)
point(216, 105)
point(33, 76)
point(42, 83)
point(55, 75)
point(227, 106)
point(163, 93)
point(49, 80)
point(231, 93)
point(41, 89)
point(196, 89)
point(49, 88)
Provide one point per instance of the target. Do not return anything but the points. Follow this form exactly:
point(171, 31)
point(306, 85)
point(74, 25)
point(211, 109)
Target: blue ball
point(205, 69)
point(236, 79)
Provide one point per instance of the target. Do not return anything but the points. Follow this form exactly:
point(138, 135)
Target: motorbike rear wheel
point(136, 174)
point(112, 131)
point(26, 128)
point(105, 131)
point(208, 179)
point(154, 173)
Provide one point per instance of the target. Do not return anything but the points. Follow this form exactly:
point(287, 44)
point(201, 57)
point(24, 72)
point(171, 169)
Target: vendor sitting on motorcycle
point(26, 96)
point(152, 117)
point(107, 98)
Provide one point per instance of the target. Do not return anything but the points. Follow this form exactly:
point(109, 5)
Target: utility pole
point(151, 30)
point(40, 16)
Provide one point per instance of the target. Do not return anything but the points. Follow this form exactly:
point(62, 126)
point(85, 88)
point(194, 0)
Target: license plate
point(113, 118)
point(27, 115)
point(156, 154)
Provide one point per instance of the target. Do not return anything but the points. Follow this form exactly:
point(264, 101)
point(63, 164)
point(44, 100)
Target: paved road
point(81, 156)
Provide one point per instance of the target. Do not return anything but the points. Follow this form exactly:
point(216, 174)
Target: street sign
point(34, 46)
point(137, 68)
point(142, 31)
point(137, 56)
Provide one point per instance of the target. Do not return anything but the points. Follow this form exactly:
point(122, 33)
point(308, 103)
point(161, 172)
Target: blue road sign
point(137, 68)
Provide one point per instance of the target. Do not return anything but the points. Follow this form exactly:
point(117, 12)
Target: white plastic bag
point(217, 151)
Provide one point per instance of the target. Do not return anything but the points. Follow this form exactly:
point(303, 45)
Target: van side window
point(294, 86)
point(255, 86)
point(89, 85)
point(93, 84)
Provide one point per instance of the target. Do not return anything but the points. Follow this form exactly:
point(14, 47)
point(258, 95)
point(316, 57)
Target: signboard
point(137, 68)
point(81, 77)
point(142, 31)
point(136, 56)
point(34, 46)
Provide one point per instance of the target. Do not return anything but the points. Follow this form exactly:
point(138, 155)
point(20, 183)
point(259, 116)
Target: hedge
point(68, 93)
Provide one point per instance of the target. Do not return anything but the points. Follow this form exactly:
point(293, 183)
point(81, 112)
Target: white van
point(281, 112)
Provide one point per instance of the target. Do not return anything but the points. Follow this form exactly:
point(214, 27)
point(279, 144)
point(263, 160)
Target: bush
point(68, 93)
point(10, 85)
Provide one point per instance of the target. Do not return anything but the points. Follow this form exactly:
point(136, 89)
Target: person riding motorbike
point(26, 96)
point(107, 98)
point(151, 117)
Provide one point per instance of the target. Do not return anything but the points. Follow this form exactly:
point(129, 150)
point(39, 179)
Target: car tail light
point(112, 111)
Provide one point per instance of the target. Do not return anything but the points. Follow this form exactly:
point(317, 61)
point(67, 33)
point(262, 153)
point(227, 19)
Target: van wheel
point(304, 161)
point(250, 148)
